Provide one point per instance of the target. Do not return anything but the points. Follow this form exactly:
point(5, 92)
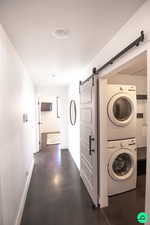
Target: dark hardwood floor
point(57, 195)
point(123, 208)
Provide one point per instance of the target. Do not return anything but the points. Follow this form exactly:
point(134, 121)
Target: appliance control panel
point(129, 143)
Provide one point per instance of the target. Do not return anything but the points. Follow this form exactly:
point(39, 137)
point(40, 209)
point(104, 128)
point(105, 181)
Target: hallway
point(57, 195)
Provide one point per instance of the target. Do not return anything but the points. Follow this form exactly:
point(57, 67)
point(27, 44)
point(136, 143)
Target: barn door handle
point(90, 145)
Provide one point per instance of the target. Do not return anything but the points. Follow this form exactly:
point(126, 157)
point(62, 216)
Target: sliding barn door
point(40, 125)
point(88, 138)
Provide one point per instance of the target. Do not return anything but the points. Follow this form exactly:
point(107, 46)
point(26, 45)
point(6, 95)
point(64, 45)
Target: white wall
point(74, 131)
point(1, 214)
point(129, 32)
point(17, 139)
point(52, 123)
point(141, 88)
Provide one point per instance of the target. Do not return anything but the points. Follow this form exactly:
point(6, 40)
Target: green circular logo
point(142, 217)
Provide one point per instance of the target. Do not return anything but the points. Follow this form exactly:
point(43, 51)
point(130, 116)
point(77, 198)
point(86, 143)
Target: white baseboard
point(24, 195)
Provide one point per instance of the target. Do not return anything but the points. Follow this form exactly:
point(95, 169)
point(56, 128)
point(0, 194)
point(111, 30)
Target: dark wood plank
point(57, 195)
point(123, 208)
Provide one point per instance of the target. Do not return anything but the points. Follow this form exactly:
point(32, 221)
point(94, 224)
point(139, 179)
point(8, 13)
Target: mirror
point(73, 112)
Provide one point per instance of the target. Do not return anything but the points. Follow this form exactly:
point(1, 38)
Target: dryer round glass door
point(121, 165)
point(120, 110)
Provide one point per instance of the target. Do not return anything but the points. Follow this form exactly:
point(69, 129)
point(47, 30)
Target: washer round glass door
point(121, 165)
point(120, 109)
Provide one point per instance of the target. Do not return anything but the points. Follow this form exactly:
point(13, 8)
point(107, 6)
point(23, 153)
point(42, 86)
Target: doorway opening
point(126, 145)
point(49, 122)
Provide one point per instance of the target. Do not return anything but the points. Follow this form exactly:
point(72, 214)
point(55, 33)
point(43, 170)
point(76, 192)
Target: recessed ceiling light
point(53, 75)
point(61, 33)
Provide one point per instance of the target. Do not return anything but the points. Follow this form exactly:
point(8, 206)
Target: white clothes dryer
point(121, 166)
point(121, 112)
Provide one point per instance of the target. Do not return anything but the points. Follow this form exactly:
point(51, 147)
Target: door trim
point(102, 143)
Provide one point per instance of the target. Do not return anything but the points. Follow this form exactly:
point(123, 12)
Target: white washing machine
point(121, 111)
point(121, 166)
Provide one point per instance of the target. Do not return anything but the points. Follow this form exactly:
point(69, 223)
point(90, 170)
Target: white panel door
point(88, 138)
point(39, 124)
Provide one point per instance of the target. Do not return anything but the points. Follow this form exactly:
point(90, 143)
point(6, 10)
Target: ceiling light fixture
point(61, 33)
point(53, 75)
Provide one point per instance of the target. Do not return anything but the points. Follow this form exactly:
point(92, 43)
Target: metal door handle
point(90, 144)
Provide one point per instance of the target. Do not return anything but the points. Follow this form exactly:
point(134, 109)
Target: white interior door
point(88, 138)
point(39, 124)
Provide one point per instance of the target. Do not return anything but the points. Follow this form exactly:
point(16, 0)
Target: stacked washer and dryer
point(121, 150)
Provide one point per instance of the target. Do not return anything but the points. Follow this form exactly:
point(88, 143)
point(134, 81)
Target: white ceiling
point(137, 66)
point(92, 24)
